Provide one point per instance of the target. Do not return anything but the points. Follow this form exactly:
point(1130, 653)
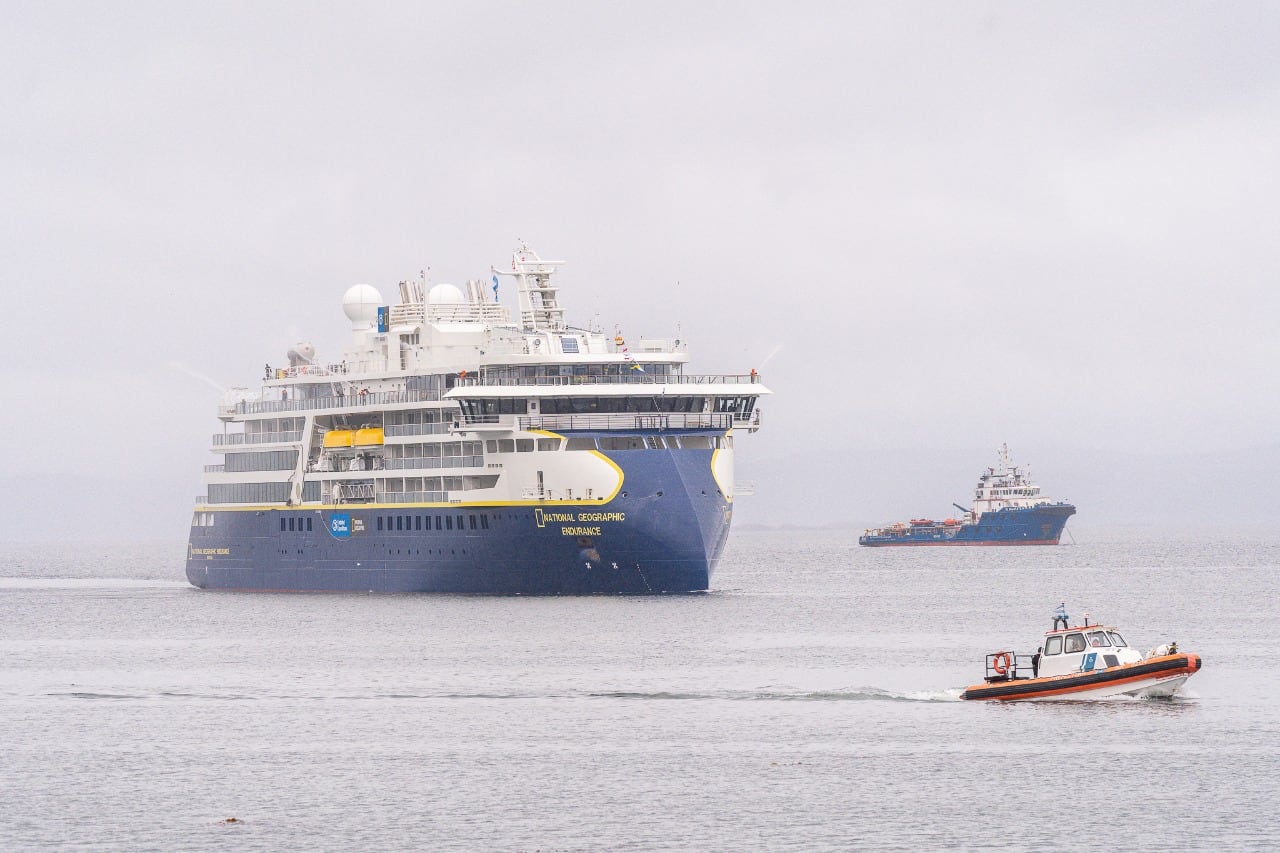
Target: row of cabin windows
point(434, 449)
point(245, 493)
point(611, 442)
point(664, 442)
point(293, 524)
point(421, 416)
point(1078, 642)
point(490, 409)
point(620, 405)
point(542, 371)
point(267, 460)
point(424, 522)
point(651, 442)
point(521, 445)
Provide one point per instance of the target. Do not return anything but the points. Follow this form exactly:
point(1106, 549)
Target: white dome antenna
point(445, 294)
point(361, 303)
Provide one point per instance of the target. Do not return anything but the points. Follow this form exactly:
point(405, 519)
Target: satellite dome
point(361, 303)
point(445, 294)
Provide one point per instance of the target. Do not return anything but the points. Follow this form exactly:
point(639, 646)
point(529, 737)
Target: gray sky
point(953, 224)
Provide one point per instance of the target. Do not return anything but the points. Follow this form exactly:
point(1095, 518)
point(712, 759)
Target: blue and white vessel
point(1008, 509)
point(456, 449)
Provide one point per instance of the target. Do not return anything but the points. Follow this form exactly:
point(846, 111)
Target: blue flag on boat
point(495, 288)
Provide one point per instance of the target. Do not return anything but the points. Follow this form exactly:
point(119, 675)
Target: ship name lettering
point(209, 551)
point(602, 516)
point(579, 531)
point(557, 516)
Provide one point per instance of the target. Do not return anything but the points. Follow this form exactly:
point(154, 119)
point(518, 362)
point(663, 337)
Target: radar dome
point(445, 294)
point(361, 304)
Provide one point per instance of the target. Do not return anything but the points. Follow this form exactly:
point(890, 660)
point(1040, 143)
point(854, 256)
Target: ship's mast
point(539, 303)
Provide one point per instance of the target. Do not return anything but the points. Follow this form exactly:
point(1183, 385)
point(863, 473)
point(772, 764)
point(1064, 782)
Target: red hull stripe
point(953, 542)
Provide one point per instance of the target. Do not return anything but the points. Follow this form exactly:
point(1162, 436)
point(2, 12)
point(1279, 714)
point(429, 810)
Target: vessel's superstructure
point(1008, 509)
point(457, 449)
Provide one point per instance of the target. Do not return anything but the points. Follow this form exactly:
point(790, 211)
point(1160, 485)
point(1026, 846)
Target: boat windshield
point(1117, 639)
point(1098, 638)
point(1075, 643)
point(1053, 646)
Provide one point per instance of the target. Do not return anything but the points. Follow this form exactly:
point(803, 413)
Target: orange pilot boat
point(1085, 662)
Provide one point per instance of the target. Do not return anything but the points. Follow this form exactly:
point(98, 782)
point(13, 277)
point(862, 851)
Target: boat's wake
point(766, 694)
point(852, 694)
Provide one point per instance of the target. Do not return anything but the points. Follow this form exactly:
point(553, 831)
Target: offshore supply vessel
point(456, 449)
point(1008, 509)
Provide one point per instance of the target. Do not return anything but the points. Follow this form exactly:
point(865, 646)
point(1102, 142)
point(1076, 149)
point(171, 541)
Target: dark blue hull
point(663, 532)
point(1039, 525)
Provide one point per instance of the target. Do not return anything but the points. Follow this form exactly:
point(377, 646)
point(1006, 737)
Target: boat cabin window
point(1075, 643)
point(1098, 639)
point(1053, 646)
point(1117, 639)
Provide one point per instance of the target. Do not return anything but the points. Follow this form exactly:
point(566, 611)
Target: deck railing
point(627, 421)
point(415, 429)
point(412, 497)
point(361, 399)
point(221, 439)
point(631, 377)
point(434, 462)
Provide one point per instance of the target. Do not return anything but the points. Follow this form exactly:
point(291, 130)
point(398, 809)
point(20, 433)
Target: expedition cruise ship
point(453, 449)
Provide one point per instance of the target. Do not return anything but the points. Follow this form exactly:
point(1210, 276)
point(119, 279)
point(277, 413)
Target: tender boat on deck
point(1085, 662)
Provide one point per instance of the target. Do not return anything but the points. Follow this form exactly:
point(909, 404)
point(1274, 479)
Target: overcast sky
point(932, 227)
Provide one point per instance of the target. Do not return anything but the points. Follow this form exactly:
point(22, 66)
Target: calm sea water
point(809, 702)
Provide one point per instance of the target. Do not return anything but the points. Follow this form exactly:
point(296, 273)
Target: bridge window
point(1075, 643)
point(1098, 638)
point(621, 442)
point(1117, 639)
point(580, 443)
point(1053, 646)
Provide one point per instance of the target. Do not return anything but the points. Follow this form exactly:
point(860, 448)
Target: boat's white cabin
point(1070, 649)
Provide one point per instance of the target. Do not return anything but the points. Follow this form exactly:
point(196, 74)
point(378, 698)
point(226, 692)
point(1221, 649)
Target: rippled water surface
point(809, 702)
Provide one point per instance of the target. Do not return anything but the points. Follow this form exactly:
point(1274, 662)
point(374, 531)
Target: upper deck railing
point(397, 430)
point(220, 439)
point(360, 399)
point(633, 377)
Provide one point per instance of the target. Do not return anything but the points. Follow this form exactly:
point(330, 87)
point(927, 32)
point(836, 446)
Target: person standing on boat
point(1035, 663)
point(1060, 615)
